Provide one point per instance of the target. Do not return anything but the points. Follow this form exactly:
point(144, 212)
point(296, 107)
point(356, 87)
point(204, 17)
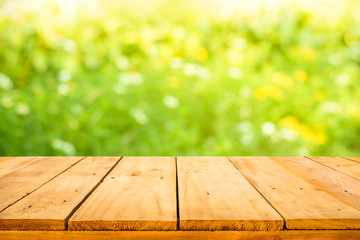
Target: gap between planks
point(350, 173)
point(348, 191)
point(214, 195)
point(27, 194)
point(177, 196)
point(284, 225)
point(275, 187)
point(88, 195)
point(139, 194)
point(354, 159)
point(53, 213)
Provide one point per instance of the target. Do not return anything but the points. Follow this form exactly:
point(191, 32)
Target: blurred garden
point(179, 77)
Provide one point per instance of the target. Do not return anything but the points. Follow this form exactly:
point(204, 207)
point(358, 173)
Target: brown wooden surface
point(22, 179)
point(336, 183)
point(202, 193)
point(303, 205)
point(178, 235)
point(357, 159)
point(213, 195)
point(347, 166)
point(5, 158)
point(10, 164)
point(139, 194)
point(48, 207)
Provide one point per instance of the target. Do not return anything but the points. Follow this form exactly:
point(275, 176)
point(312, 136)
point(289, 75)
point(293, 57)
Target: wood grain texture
point(349, 167)
point(336, 183)
point(303, 205)
point(213, 195)
point(139, 194)
point(357, 159)
point(179, 235)
point(5, 158)
point(49, 206)
point(8, 165)
point(29, 174)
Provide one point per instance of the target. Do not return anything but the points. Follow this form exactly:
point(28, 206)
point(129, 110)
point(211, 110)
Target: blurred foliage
point(174, 82)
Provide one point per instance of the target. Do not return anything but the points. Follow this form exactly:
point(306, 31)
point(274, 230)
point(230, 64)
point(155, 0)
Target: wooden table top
point(279, 194)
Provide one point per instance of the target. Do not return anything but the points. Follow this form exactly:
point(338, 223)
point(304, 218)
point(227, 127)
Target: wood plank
point(5, 158)
point(336, 183)
point(213, 195)
point(49, 206)
point(346, 166)
point(303, 205)
point(179, 235)
point(22, 180)
point(8, 165)
point(139, 194)
point(357, 159)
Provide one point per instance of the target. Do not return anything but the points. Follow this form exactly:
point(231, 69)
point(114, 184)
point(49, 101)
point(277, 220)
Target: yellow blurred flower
point(193, 48)
point(268, 91)
point(291, 123)
point(274, 92)
point(282, 79)
point(259, 93)
point(320, 95)
point(304, 52)
point(320, 138)
point(301, 75)
point(305, 131)
point(319, 127)
point(201, 54)
point(178, 54)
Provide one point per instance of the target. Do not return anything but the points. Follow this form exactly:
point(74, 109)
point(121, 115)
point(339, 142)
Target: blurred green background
point(179, 77)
